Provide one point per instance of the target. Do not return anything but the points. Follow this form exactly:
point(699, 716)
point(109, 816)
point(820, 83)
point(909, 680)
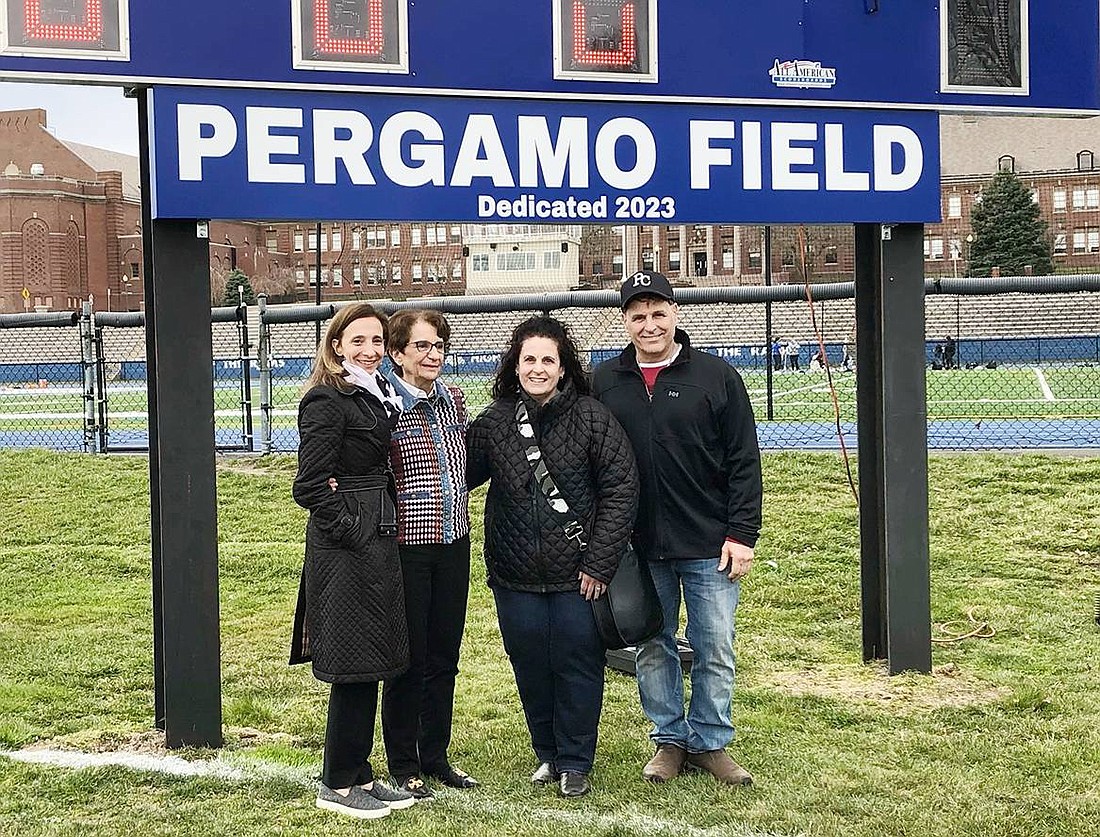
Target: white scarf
point(376, 384)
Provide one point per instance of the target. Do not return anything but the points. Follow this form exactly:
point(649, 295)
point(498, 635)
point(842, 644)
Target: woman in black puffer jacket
point(543, 579)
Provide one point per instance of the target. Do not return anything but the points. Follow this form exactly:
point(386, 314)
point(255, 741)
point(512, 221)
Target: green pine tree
point(1009, 232)
point(233, 279)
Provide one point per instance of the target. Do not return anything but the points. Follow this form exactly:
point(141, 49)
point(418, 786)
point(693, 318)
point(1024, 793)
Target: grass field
point(1003, 739)
point(975, 395)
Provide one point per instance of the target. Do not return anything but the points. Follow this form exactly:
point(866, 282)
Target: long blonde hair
point(327, 366)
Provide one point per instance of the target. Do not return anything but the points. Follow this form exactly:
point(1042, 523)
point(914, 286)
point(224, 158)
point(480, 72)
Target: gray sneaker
point(358, 803)
point(390, 797)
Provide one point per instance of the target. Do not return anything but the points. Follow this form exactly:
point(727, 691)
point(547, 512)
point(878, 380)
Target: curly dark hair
point(506, 383)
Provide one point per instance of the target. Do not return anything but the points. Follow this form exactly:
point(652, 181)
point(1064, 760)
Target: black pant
point(349, 735)
point(417, 707)
point(558, 660)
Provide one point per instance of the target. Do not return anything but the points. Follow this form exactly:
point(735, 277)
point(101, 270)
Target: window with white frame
point(337, 276)
point(356, 239)
point(431, 235)
point(356, 275)
point(617, 264)
point(417, 272)
point(954, 206)
point(1092, 239)
point(417, 233)
point(1078, 198)
point(515, 261)
point(1059, 244)
point(395, 237)
point(727, 258)
point(456, 269)
point(1078, 241)
point(299, 242)
point(337, 238)
point(397, 274)
point(441, 233)
point(551, 260)
point(481, 263)
point(312, 239)
point(456, 233)
point(300, 277)
point(1059, 200)
point(937, 249)
point(674, 260)
point(271, 241)
point(1092, 198)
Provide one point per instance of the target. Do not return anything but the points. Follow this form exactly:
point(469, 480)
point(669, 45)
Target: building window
point(597, 268)
point(1060, 244)
point(271, 242)
point(727, 258)
point(417, 272)
point(356, 275)
point(313, 240)
point(356, 239)
point(647, 260)
point(1059, 200)
point(617, 265)
point(299, 242)
point(337, 276)
point(1078, 241)
point(1085, 160)
point(1092, 198)
point(395, 237)
point(954, 206)
point(456, 233)
point(1006, 162)
point(441, 234)
point(337, 239)
point(937, 249)
point(1078, 198)
point(456, 269)
point(481, 263)
point(431, 235)
point(551, 260)
point(674, 260)
point(1092, 240)
point(397, 274)
point(416, 235)
point(515, 261)
point(754, 258)
point(831, 256)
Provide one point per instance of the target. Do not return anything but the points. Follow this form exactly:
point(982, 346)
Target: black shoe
point(452, 777)
point(545, 775)
point(574, 784)
point(414, 785)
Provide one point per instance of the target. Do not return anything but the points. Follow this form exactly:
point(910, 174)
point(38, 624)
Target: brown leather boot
point(666, 763)
point(719, 765)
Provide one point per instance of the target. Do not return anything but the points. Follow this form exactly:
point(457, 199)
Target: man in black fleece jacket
point(691, 425)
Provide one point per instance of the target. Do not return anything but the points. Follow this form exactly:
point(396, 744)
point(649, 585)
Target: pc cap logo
point(644, 283)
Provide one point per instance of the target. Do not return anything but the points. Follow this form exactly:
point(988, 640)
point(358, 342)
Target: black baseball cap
point(645, 283)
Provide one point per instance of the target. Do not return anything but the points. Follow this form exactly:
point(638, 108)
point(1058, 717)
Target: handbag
point(629, 612)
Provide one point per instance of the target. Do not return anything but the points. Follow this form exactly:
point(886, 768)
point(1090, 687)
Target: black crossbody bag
point(629, 612)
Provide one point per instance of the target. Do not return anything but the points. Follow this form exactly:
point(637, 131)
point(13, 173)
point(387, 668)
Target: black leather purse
point(629, 612)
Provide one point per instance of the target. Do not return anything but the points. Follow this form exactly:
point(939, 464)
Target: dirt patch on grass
point(947, 686)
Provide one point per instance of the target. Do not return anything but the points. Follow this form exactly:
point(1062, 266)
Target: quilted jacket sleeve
point(616, 477)
point(321, 424)
point(477, 451)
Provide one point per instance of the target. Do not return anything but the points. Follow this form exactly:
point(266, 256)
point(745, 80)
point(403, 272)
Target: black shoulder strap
point(554, 499)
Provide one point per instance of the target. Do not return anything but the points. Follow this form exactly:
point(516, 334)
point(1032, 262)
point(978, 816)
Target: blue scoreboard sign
point(1009, 55)
point(282, 155)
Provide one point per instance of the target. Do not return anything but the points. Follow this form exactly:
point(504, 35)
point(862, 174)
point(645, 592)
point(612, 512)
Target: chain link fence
point(1013, 363)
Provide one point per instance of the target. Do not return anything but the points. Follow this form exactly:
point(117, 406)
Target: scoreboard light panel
point(91, 29)
point(984, 47)
point(605, 40)
point(356, 35)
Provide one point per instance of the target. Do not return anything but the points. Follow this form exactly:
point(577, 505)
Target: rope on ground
point(971, 628)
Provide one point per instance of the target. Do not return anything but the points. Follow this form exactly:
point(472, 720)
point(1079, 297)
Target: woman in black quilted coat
point(543, 579)
point(350, 619)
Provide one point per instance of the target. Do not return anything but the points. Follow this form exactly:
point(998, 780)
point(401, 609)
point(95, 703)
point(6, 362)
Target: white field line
point(250, 770)
point(1048, 394)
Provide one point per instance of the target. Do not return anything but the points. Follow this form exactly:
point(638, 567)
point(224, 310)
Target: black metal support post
point(893, 446)
point(145, 157)
point(182, 476)
point(317, 298)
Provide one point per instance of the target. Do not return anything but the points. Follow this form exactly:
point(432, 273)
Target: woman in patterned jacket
point(428, 455)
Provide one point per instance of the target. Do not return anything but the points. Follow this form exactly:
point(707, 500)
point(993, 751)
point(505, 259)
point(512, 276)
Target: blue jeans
point(711, 600)
point(558, 660)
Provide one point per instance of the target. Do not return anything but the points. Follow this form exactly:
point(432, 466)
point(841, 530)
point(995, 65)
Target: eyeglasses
point(425, 346)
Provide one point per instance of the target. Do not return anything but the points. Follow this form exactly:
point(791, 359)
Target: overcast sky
point(99, 116)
